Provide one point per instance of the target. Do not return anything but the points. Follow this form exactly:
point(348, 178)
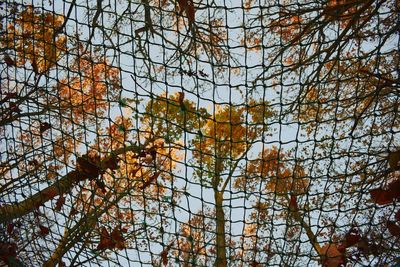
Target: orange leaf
point(151, 179)
point(332, 256)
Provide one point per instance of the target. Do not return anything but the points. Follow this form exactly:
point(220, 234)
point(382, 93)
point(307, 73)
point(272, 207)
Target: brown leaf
point(181, 99)
point(60, 202)
point(393, 159)
point(118, 238)
point(101, 185)
point(10, 95)
point(33, 162)
point(105, 240)
point(35, 66)
point(380, 196)
point(386, 196)
point(164, 255)
point(7, 250)
point(398, 216)
point(188, 7)
point(293, 203)
point(87, 166)
point(43, 230)
point(14, 108)
point(111, 163)
point(352, 237)
point(44, 126)
point(10, 228)
point(332, 256)
point(393, 228)
point(8, 60)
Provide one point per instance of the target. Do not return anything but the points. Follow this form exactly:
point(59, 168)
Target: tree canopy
point(192, 133)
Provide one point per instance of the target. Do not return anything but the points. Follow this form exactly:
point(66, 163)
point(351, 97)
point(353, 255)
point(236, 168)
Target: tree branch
point(64, 185)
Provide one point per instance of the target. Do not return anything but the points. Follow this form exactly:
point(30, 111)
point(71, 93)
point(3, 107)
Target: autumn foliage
point(196, 133)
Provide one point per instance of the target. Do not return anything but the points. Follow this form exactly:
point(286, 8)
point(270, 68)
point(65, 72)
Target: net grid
point(199, 133)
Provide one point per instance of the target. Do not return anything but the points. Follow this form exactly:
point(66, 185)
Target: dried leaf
point(150, 180)
point(105, 240)
point(386, 196)
point(100, 184)
point(10, 95)
point(394, 159)
point(352, 237)
point(8, 60)
point(44, 231)
point(33, 162)
point(10, 228)
point(44, 126)
point(111, 163)
point(188, 7)
point(380, 196)
point(60, 202)
point(181, 100)
point(293, 203)
point(7, 251)
point(332, 256)
point(35, 66)
point(393, 228)
point(398, 216)
point(164, 255)
point(14, 108)
point(118, 238)
point(87, 166)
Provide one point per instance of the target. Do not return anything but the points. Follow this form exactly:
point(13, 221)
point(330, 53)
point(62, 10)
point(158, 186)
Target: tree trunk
point(220, 219)
point(295, 213)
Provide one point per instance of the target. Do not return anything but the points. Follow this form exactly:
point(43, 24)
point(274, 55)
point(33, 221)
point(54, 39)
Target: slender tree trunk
point(220, 219)
point(295, 213)
point(71, 237)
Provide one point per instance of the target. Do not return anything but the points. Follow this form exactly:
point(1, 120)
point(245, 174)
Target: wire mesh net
point(199, 133)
